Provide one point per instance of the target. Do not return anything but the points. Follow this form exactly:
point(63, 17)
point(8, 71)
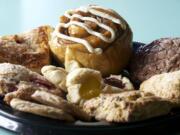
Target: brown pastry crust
point(115, 55)
point(30, 49)
point(158, 57)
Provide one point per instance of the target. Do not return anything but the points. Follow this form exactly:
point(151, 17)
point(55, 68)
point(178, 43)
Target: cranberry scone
point(20, 82)
point(30, 49)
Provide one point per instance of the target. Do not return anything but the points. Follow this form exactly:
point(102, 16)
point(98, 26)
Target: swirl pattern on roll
point(92, 15)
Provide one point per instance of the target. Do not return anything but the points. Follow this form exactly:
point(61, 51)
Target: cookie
point(58, 102)
point(42, 110)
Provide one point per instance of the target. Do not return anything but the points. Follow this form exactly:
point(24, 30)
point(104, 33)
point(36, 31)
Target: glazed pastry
point(58, 102)
point(158, 57)
point(14, 77)
point(30, 49)
point(126, 106)
point(56, 75)
point(95, 37)
point(166, 85)
point(41, 110)
point(83, 84)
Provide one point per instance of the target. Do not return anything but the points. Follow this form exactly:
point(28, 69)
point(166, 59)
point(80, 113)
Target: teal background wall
point(149, 19)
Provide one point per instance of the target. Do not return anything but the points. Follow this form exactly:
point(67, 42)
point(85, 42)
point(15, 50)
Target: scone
point(166, 85)
point(127, 106)
point(30, 49)
point(14, 77)
point(160, 56)
point(95, 37)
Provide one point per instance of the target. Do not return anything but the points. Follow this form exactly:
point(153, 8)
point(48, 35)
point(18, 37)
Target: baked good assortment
point(160, 56)
point(95, 37)
point(95, 46)
point(30, 49)
point(23, 91)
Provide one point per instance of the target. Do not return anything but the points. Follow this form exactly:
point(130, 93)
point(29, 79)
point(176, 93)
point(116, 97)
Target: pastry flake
point(56, 75)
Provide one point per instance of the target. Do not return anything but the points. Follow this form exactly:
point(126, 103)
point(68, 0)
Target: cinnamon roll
point(95, 37)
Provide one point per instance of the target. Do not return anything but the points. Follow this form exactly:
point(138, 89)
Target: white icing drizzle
point(93, 10)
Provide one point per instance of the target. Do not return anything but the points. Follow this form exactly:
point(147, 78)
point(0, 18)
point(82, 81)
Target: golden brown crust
point(114, 58)
point(29, 49)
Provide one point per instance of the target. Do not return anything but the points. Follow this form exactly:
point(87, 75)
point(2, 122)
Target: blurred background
point(149, 19)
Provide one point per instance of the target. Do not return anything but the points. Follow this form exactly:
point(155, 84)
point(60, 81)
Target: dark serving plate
point(28, 124)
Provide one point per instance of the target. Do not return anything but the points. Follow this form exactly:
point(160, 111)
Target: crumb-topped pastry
point(30, 49)
point(95, 37)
